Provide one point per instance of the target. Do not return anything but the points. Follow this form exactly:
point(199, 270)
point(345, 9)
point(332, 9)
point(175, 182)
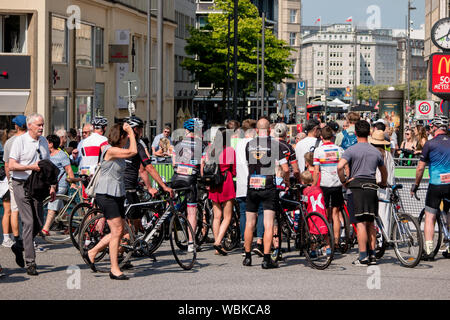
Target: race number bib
point(185, 170)
point(85, 172)
point(445, 178)
point(257, 182)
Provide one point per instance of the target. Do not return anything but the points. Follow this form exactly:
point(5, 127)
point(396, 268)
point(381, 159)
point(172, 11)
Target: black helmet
point(100, 122)
point(135, 122)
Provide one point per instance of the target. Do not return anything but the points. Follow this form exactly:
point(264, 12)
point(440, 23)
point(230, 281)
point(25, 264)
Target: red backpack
point(316, 203)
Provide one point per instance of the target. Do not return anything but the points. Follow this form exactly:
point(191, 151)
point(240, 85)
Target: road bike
point(312, 233)
point(403, 232)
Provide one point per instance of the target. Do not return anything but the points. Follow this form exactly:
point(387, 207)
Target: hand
point(153, 192)
point(169, 191)
point(347, 182)
point(52, 194)
point(75, 154)
point(414, 189)
point(35, 167)
point(127, 128)
point(73, 186)
point(382, 185)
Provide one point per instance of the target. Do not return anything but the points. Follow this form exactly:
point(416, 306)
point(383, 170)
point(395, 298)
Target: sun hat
point(377, 138)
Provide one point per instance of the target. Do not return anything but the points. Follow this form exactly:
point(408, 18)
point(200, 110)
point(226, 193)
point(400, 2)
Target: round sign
point(424, 108)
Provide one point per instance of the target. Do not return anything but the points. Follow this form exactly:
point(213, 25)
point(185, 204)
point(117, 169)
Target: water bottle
point(296, 219)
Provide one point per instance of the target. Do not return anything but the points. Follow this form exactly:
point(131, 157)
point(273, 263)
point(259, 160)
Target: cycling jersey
point(188, 156)
point(327, 156)
point(436, 153)
point(131, 173)
point(90, 153)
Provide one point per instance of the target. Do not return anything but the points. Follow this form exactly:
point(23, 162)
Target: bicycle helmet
point(100, 122)
point(193, 124)
point(135, 122)
point(440, 122)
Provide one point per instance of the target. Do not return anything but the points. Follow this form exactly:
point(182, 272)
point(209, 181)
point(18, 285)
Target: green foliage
point(418, 91)
point(209, 46)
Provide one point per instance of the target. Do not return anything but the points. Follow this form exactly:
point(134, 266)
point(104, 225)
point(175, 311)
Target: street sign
point(301, 85)
point(323, 98)
point(440, 75)
point(131, 79)
point(424, 110)
point(301, 93)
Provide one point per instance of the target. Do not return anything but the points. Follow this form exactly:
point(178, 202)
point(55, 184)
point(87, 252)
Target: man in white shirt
point(309, 143)
point(92, 146)
point(26, 152)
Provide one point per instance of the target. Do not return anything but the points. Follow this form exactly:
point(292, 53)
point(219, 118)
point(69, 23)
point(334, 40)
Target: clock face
point(440, 34)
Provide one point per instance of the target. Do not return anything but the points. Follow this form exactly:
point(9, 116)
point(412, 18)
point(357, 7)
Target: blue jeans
point(260, 223)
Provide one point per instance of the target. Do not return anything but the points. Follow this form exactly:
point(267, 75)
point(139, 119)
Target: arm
point(384, 176)
point(119, 153)
point(419, 172)
point(341, 171)
point(144, 176)
point(285, 169)
point(7, 169)
point(15, 166)
point(316, 175)
point(70, 174)
point(155, 175)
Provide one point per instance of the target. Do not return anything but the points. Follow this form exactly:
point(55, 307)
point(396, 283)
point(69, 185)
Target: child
point(309, 161)
point(315, 203)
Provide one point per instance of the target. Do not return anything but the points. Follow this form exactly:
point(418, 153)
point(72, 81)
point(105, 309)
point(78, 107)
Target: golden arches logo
point(447, 65)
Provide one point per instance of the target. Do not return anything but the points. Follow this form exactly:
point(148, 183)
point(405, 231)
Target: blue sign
point(301, 85)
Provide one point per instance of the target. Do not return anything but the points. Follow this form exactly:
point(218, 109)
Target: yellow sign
point(447, 62)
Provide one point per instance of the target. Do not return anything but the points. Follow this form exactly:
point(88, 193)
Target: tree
point(418, 91)
point(209, 47)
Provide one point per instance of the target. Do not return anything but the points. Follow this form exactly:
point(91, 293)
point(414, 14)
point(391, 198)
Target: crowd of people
point(249, 163)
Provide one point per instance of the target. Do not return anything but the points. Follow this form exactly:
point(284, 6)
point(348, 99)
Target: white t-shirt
point(241, 168)
point(327, 156)
point(90, 152)
point(302, 148)
point(25, 151)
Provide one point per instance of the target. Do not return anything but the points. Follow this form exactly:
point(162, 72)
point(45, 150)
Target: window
point(292, 16)
point(59, 112)
point(292, 38)
point(99, 47)
point(59, 40)
point(13, 33)
point(83, 109)
point(84, 45)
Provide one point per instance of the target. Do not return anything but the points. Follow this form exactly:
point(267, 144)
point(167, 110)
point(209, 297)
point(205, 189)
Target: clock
point(440, 34)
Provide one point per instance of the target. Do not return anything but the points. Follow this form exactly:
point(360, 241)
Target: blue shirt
point(61, 160)
point(436, 153)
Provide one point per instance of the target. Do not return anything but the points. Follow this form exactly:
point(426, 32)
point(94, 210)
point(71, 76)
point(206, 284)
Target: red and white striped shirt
point(91, 152)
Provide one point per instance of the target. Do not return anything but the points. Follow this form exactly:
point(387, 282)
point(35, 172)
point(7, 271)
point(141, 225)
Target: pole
point(159, 106)
point(235, 67)
point(408, 55)
point(147, 64)
point(228, 64)
point(355, 69)
point(257, 80)
point(263, 71)
point(327, 79)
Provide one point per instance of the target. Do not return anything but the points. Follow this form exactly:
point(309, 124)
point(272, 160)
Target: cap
point(334, 126)
point(311, 124)
point(20, 121)
point(280, 130)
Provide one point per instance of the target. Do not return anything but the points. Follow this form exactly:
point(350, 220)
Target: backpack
point(212, 176)
point(349, 140)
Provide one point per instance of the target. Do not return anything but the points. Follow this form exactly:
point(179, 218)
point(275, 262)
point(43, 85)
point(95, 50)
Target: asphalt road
point(223, 278)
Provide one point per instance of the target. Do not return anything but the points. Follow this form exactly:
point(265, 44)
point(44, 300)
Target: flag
point(377, 106)
point(349, 19)
point(318, 20)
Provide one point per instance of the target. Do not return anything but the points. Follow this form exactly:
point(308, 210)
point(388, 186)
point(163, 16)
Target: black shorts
point(112, 207)
point(181, 181)
point(363, 202)
point(333, 197)
point(435, 195)
point(132, 198)
point(7, 196)
point(268, 198)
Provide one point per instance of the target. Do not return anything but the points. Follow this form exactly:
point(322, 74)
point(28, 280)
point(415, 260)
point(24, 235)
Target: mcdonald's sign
point(440, 75)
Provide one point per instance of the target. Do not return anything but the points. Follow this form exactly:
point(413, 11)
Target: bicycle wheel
point(75, 221)
point(343, 242)
point(317, 238)
point(204, 213)
point(232, 237)
point(277, 239)
point(437, 239)
point(158, 236)
point(95, 229)
point(59, 229)
point(381, 242)
point(408, 241)
point(180, 230)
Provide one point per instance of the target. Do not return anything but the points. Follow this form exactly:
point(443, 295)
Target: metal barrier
point(410, 204)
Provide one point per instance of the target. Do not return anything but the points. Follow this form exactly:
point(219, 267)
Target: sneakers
point(313, 255)
point(275, 254)
point(2, 274)
point(328, 252)
point(247, 262)
point(361, 263)
point(31, 270)
point(269, 264)
point(428, 257)
point(38, 248)
point(18, 252)
point(259, 250)
point(372, 260)
point(8, 243)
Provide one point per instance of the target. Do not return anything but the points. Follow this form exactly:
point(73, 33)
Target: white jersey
point(327, 156)
point(90, 153)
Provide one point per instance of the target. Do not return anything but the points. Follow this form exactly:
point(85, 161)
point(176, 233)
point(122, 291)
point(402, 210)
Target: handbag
point(90, 189)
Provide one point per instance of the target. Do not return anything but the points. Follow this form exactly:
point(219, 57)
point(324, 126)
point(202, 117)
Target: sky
point(392, 13)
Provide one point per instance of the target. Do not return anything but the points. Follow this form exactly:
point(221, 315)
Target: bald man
point(263, 154)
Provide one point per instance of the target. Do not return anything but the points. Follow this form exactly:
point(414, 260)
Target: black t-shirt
point(131, 173)
point(188, 156)
point(263, 154)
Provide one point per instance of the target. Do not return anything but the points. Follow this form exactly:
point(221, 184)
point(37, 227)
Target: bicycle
point(180, 231)
point(403, 231)
point(443, 230)
point(313, 234)
point(232, 236)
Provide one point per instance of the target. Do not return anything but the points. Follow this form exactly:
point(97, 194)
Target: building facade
point(77, 53)
point(334, 59)
point(418, 65)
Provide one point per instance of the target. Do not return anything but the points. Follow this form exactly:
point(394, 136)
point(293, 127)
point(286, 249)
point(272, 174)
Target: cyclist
point(140, 165)
point(435, 153)
point(263, 154)
point(92, 148)
point(187, 157)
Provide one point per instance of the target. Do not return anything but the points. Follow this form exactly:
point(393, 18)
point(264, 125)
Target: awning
point(13, 102)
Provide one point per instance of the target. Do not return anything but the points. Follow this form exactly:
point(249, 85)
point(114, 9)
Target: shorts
point(112, 207)
point(363, 202)
point(268, 198)
point(333, 197)
point(14, 207)
point(57, 204)
point(7, 196)
point(435, 195)
point(132, 198)
point(180, 181)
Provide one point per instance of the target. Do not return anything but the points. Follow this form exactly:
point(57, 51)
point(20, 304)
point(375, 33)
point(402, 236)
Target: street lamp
point(408, 52)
